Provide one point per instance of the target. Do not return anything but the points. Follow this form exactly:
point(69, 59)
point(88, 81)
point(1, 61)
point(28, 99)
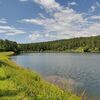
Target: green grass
point(17, 83)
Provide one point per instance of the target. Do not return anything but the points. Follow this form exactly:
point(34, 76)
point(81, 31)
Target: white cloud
point(3, 21)
point(72, 4)
point(33, 21)
point(63, 23)
point(94, 7)
point(34, 36)
point(98, 4)
point(95, 17)
point(9, 30)
point(48, 4)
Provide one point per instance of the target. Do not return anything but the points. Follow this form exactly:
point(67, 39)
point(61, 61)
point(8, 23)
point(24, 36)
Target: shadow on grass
point(4, 78)
point(8, 93)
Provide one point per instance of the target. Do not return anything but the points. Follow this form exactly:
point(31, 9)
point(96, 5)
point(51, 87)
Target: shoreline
point(31, 82)
point(59, 52)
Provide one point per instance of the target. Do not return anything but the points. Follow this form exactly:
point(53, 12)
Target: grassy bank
point(17, 83)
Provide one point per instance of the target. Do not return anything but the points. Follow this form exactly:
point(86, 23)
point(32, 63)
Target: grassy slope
point(17, 83)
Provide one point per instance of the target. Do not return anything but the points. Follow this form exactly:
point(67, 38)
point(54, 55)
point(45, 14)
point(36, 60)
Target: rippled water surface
point(83, 69)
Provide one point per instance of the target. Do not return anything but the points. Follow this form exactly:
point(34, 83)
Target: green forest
point(82, 44)
point(6, 45)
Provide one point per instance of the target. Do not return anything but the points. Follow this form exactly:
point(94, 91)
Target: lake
point(82, 71)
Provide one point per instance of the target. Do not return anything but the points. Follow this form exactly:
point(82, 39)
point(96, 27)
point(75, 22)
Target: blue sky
point(27, 21)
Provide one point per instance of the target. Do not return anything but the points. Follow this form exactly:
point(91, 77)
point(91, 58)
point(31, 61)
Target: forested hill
point(6, 45)
point(82, 44)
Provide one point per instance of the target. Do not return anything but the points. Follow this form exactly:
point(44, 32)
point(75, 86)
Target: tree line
point(82, 44)
point(6, 45)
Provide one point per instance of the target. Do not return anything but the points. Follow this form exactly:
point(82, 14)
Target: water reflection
point(80, 70)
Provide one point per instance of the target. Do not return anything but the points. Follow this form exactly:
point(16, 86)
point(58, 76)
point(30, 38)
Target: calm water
point(84, 69)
